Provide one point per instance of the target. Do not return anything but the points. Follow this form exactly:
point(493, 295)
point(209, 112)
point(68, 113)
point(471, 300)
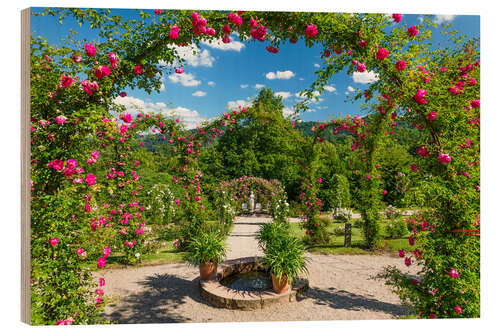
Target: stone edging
point(220, 296)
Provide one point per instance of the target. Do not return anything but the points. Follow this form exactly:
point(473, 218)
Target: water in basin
point(251, 281)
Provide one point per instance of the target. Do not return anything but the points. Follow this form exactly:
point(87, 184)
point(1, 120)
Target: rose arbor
point(82, 168)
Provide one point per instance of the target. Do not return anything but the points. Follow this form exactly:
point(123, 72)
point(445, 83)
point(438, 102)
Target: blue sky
point(224, 76)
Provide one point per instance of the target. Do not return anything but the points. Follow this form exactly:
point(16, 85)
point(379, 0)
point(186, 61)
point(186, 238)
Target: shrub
point(272, 231)
point(339, 230)
point(396, 228)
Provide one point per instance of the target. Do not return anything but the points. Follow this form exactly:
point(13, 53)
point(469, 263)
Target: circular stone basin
point(244, 284)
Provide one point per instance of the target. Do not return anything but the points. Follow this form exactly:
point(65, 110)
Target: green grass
point(357, 242)
point(165, 255)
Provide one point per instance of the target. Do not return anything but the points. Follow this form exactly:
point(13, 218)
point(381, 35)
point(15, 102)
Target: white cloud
point(439, 19)
point(287, 112)
point(330, 88)
point(365, 77)
point(351, 89)
point(133, 105)
point(192, 56)
point(259, 86)
point(231, 105)
point(219, 45)
point(199, 93)
point(162, 87)
point(283, 94)
point(187, 80)
point(317, 65)
point(301, 79)
point(211, 83)
point(285, 75)
point(302, 96)
point(243, 86)
point(420, 19)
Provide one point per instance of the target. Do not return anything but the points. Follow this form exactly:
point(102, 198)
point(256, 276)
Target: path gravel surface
point(340, 288)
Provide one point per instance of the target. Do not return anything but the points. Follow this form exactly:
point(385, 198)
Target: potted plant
point(207, 250)
point(284, 257)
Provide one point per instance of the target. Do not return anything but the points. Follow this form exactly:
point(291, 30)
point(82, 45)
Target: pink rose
point(419, 96)
point(90, 50)
point(174, 33)
point(66, 81)
point(179, 70)
point(432, 115)
point(454, 274)
point(458, 309)
point(137, 69)
point(397, 17)
point(412, 31)
point(444, 158)
point(90, 179)
point(382, 54)
point(475, 103)
point(61, 119)
point(113, 59)
point(102, 282)
point(54, 241)
point(101, 262)
point(311, 30)
point(401, 65)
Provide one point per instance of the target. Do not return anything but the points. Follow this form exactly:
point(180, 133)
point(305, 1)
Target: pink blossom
point(106, 252)
point(90, 179)
point(79, 251)
point(174, 33)
point(100, 292)
point(179, 70)
point(422, 151)
point(397, 17)
point(382, 54)
point(311, 30)
point(361, 67)
point(126, 117)
point(56, 164)
point(431, 115)
point(272, 49)
point(411, 240)
point(454, 274)
point(66, 81)
point(419, 96)
point(226, 39)
point(413, 167)
point(407, 261)
point(76, 58)
point(458, 309)
point(252, 23)
point(137, 69)
point(158, 11)
point(61, 119)
point(102, 282)
point(90, 50)
point(362, 43)
point(320, 180)
point(412, 31)
point(113, 59)
point(401, 65)
point(54, 241)
point(475, 103)
point(101, 262)
point(259, 33)
point(401, 253)
point(444, 158)
point(89, 87)
point(367, 176)
point(384, 192)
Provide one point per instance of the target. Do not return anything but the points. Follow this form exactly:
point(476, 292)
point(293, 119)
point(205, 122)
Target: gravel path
point(340, 288)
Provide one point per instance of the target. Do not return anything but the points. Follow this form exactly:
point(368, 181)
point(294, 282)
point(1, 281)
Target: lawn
point(357, 241)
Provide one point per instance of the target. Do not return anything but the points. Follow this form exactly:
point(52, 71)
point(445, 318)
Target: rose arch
point(94, 186)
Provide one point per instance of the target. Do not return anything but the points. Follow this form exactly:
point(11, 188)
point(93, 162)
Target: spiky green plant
point(285, 257)
point(271, 231)
point(206, 247)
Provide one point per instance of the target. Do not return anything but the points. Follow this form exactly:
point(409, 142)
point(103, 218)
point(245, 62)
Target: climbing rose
point(66, 81)
point(272, 49)
point(397, 17)
point(158, 11)
point(174, 33)
point(226, 39)
point(431, 115)
point(126, 117)
point(407, 261)
point(137, 69)
point(113, 59)
point(411, 240)
point(419, 96)
point(454, 274)
point(382, 54)
point(101, 262)
point(362, 43)
point(102, 71)
point(412, 31)
point(56, 164)
point(252, 23)
point(102, 282)
point(458, 309)
point(401, 65)
point(61, 119)
point(179, 70)
point(90, 179)
point(361, 67)
point(90, 50)
point(401, 253)
point(89, 87)
point(106, 252)
point(311, 30)
point(444, 158)
point(76, 58)
point(54, 241)
point(123, 94)
point(320, 180)
point(475, 103)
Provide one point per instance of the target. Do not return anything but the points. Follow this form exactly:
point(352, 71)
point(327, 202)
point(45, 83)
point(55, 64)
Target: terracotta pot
point(280, 288)
point(207, 270)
